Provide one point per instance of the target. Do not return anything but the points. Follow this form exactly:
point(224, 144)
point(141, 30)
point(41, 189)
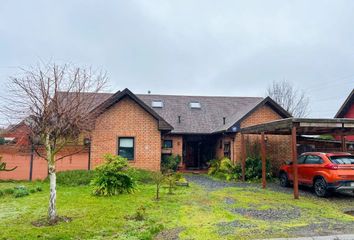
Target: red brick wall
point(22, 161)
point(127, 119)
point(277, 146)
point(219, 151)
point(177, 144)
point(14, 156)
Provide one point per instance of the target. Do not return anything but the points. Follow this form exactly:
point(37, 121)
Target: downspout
point(87, 142)
point(233, 150)
point(89, 157)
point(31, 161)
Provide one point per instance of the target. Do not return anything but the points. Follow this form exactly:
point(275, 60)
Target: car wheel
point(283, 179)
point(320, 187)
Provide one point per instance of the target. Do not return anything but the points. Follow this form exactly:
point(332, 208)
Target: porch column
point(243, 157)
point(264, 163)
point(294, 160)
point(343, 143)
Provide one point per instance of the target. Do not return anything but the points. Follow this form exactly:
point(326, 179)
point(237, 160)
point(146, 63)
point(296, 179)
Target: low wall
point(21, 158)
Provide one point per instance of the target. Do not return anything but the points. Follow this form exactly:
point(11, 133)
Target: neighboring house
point(347, 111)
point(146, 127)
point(17, 134)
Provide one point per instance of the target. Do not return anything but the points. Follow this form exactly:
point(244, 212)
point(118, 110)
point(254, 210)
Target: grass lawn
point(191, 213)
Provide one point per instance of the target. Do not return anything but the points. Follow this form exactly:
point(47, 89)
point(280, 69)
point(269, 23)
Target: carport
point(295, 126)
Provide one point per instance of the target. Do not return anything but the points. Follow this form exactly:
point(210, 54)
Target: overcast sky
point(201, 47)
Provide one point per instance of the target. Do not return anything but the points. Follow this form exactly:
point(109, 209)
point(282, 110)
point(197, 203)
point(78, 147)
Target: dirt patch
point(43, 222)
point(169, 234)
point(269, 214)
point(351, 213)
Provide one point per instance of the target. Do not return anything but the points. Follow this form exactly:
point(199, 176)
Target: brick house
point(146, 127)
point(347, 111)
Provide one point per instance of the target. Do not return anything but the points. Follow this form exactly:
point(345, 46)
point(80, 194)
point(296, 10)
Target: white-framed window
point(195, 105)
point(157, 104)
point(126, 147)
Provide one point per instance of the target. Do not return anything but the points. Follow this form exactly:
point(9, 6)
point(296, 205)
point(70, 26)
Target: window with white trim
point(126, 147)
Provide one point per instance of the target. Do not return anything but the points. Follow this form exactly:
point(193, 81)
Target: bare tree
point(290, 98)
point(56, 102)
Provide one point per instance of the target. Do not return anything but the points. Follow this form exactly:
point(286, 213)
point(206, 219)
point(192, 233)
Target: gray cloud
point(189, 46)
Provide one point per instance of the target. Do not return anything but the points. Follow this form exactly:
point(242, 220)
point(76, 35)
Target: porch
point(197, 151)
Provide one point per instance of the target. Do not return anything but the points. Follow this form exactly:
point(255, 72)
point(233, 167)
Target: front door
point(191, 158)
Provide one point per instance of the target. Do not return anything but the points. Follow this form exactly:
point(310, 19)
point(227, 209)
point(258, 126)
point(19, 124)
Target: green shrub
point(8, 191)
point(32, 190)
point(111, 177)
point(1, 193)
point(254, 169)
point(74, 177)
point(38, 189)
point(170, 163)
point(225, 169)
point(20, 191)
point(140, 175)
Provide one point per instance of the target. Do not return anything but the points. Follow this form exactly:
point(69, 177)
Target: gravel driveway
point(211, 184)
point(323, 227)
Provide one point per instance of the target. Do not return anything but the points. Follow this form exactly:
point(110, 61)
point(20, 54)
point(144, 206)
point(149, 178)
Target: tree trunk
point(52, 211)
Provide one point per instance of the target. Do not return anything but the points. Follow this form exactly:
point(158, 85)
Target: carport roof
point(306, 126)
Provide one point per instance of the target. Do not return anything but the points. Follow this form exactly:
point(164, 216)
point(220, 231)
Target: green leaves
point(112, 177)
point(170, 163)
point(225, 169)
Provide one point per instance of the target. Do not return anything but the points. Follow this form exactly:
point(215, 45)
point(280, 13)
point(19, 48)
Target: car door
point(300, 163)
point(310, 166)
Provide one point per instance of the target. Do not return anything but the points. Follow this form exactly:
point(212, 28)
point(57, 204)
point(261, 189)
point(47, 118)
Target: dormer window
point(195, 105)
point(157, 104)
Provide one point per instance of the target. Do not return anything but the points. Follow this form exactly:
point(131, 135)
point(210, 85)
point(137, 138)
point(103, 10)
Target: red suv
point(325, 172)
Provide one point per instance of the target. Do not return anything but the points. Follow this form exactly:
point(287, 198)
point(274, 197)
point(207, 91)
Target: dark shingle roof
point(207, 119)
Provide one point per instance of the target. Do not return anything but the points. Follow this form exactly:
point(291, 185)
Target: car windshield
point(342, 159)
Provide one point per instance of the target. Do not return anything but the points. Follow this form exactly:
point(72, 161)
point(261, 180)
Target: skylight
point(195, 105)
point(157, 104)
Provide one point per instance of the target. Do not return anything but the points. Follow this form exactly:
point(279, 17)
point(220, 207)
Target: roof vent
point(157, 104)
point(195, 105)
point(224, 120)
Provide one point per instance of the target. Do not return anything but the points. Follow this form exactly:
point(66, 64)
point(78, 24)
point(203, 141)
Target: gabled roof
point(209, 118)
point(177, 115)
point(163, 125)
point(346, 105)
point(266, 101)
